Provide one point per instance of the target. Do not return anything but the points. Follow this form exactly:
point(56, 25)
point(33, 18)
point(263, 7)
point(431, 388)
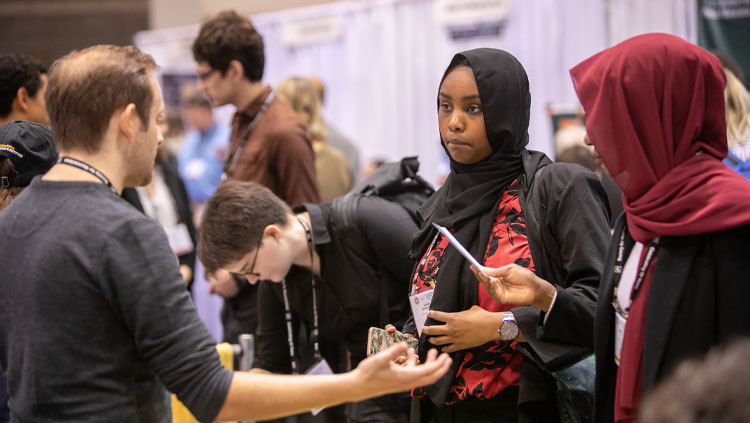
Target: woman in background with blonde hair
point(737, 104)
point(330, 164)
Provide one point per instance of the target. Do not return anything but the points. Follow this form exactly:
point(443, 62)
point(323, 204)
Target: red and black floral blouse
point(486, 370)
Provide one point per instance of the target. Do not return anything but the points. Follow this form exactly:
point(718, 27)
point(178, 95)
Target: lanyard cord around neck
point(288, 310)
point(87, 168)
point(229, 167)
point(620, 263)
point(289, 328)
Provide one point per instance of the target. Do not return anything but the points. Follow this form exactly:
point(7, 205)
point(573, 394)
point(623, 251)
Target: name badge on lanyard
point(319, 368)
point(420, 305)
point(179, 239)
point(620, 322)
point(630, 271)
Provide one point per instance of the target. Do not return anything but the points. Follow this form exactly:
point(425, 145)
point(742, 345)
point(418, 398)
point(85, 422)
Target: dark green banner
point(724, 25)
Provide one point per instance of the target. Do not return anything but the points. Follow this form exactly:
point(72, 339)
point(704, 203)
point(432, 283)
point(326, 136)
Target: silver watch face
point(509, 330)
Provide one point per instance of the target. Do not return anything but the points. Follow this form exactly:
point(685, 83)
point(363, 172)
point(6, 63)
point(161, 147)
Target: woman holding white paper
point(505, 204)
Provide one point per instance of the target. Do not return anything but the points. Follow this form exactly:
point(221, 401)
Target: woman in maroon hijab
point(676, 280)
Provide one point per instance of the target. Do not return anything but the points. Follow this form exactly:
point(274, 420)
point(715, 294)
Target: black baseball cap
point(31, 149)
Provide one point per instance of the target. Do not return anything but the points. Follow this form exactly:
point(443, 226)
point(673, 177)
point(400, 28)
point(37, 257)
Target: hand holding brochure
point(446, 233)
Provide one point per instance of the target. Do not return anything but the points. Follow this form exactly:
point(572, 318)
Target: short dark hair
point(234, 220)
point(16, 71)
point(86, 87)
point(710, 390)
point(229, 36)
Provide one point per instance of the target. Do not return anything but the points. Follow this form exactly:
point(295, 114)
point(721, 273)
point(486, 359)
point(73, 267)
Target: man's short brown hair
point(86, 87)
point(229, 36)
point(234, 220)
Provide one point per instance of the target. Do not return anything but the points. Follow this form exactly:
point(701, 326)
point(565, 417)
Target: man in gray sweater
point(95, 321)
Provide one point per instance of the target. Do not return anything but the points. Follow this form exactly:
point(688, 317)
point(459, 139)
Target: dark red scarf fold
point(655, 114)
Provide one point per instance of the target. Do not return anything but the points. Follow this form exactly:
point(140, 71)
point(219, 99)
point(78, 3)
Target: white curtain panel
point(627, 18)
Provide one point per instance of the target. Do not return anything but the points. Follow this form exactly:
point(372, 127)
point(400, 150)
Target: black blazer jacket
point(567, 223)
point(698, 298)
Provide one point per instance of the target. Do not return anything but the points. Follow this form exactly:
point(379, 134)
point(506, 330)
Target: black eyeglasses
point(251, 272)
point(204, 75)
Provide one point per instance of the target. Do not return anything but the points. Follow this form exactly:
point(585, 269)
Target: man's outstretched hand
point(380, 375)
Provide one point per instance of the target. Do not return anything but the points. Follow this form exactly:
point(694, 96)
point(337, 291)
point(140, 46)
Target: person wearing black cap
point(26, 150)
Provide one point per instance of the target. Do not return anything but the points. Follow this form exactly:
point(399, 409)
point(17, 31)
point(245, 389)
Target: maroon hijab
point(655, 113)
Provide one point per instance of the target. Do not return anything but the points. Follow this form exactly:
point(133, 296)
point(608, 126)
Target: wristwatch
point(509, 328)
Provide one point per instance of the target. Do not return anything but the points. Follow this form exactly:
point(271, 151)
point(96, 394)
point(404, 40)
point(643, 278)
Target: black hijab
point(468, 201)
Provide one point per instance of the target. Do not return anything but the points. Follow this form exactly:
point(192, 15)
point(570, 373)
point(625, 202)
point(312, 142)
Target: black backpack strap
point(344, 209)
point(345, 216)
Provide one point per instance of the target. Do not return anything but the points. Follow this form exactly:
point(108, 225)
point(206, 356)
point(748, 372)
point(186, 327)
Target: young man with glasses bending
point(330, 277)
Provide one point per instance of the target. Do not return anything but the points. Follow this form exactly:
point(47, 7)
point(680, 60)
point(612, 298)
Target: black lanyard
point(619, 264)
point(288, 310)
point(88, 168)
point(229, 168)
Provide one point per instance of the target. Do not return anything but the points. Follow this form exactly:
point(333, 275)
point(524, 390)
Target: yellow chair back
point(180, 413)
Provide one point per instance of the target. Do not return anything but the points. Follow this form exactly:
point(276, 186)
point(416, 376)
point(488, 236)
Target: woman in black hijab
point(505, 204)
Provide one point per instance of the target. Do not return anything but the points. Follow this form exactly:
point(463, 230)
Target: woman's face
point(461, 118)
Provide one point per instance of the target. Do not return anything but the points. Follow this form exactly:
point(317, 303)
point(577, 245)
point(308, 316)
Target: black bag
point(575, 390)
point(397, 182)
